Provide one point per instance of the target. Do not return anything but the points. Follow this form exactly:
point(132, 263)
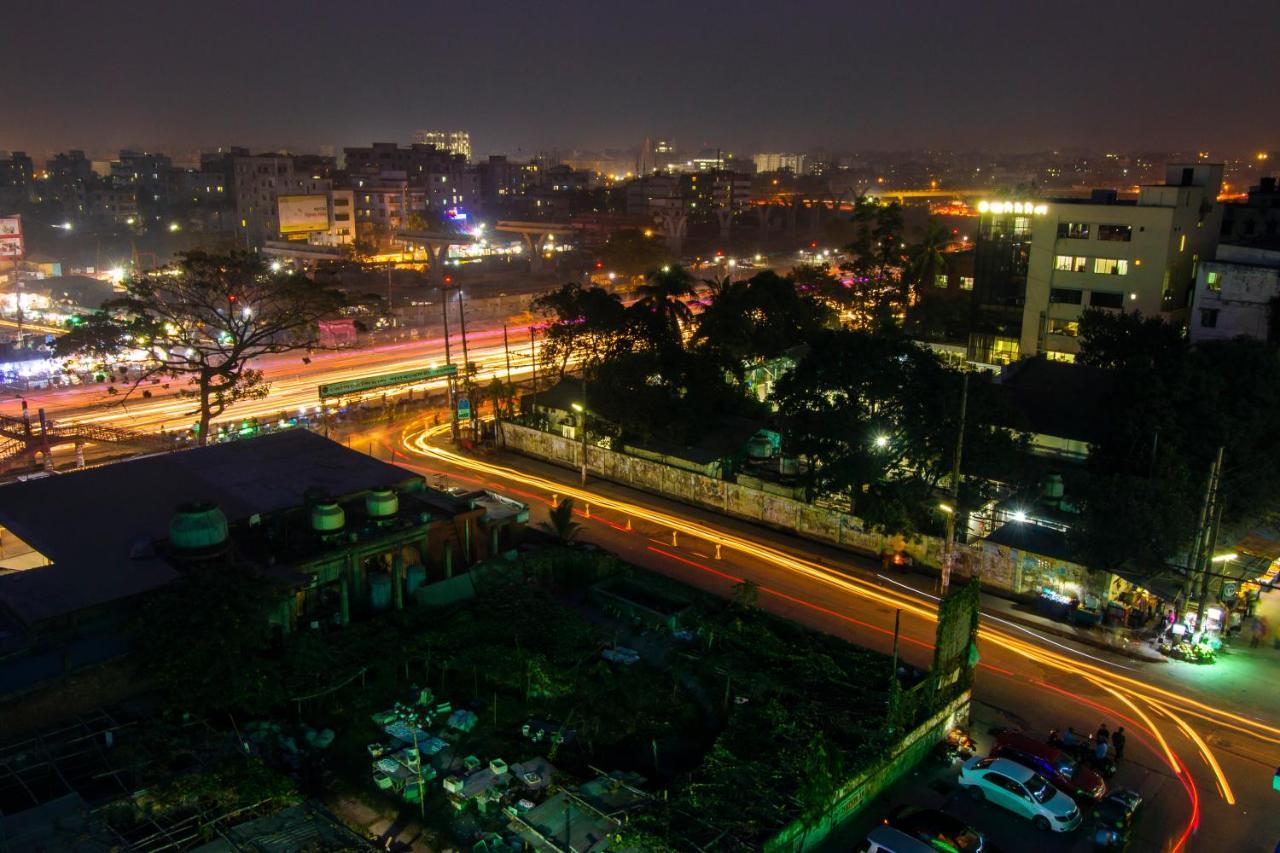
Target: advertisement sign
point(300, 214)
point(11, 245)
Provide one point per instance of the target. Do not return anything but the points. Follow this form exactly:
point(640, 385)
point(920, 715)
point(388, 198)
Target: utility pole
point(1198, 543)
point(453, 394)
point(466, 363)
point(948, 556)
point(584, 425)
point(533, 361)
point(1211, 544)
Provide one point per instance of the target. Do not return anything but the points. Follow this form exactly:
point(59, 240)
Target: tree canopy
point(205, 321)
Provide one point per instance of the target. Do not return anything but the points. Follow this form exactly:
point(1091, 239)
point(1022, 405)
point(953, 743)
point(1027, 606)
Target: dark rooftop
point(88, 523)
point(1034, 539)
point(1059, 399)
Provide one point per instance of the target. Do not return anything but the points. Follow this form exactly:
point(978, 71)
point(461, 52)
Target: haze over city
point(996, 76)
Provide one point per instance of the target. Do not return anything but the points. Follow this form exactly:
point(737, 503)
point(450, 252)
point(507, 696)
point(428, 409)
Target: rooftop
point(1057, 398)
point(99, 554)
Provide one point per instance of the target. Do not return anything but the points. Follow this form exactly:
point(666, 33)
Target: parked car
point(886, 839)
point(1066, 773)
point(938, 829)
point(1020, 790)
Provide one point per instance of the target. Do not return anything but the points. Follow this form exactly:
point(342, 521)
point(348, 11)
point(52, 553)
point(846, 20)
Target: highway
point(1211, 759)
point(293, 383)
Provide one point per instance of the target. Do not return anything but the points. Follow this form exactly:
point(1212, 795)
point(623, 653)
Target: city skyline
point(981, 77)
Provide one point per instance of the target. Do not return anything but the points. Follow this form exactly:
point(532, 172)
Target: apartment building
point(1039, 264)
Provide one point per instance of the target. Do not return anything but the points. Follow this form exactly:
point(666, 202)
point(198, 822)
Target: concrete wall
point(1001, 569)
point(909, 752)
point(812, 522)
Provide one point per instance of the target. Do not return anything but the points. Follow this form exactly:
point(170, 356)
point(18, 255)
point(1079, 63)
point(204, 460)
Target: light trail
point(417, 441)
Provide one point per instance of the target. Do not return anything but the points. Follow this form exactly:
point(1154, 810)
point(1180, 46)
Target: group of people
point(1104, 742)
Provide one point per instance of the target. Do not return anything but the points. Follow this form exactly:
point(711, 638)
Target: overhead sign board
point(385, 380)
point(301, 214)
point(11, 244)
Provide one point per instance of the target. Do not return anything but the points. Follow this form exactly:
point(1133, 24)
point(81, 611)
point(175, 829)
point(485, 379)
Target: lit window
point(940, 280)
point(1073, 230)
point(966, 282)
point(1064, 327)
point(1110, 266)
point(1213, 281)
point(1070, 263)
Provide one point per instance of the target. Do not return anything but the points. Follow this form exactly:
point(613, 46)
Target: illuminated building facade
point(1040, 265)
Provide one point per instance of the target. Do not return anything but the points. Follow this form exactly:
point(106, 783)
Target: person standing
point(1103, 734)
point(1117, 742)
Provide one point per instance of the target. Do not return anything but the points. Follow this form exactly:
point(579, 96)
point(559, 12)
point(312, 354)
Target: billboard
point(386, 380)
point(300, 214)
point(11, 245)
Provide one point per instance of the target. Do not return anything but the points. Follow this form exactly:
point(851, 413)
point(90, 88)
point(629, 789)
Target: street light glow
point(1225, 558)
point(946, 508)
point(882, 441)
point(577, 407)
point(1019, 516)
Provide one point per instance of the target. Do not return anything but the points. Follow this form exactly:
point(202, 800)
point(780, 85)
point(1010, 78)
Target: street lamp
point(1225, 558)
point(882, 441)
point(582, 417)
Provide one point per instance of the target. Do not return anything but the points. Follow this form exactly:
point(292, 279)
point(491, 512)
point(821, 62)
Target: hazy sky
point(787, 74)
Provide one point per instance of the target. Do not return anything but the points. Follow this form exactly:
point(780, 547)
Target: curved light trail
point(1103, 675)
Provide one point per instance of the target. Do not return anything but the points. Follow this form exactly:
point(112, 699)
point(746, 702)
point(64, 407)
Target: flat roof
point(90, 524)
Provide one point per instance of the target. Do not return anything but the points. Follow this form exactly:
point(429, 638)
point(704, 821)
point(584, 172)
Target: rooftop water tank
point(759, 447)
point(198, 529)
point(381, 504)
point(327, 518)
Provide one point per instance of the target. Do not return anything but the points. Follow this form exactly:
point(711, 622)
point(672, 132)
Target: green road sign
point(464, 409)
point(385, 380)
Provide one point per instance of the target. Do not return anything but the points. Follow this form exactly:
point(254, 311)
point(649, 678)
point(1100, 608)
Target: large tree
point(204, 321)
point(584, 324)
point(879, 287)
point(875, 418)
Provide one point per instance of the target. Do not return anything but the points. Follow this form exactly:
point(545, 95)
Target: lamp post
point(582, 428)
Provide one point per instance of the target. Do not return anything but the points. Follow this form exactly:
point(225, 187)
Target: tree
point(879, 291)
point(928, 258)
point(205, 321)
point(661, 310)
point(757, 319)
point(632, 252)
point(875, 417)
point(588, 324)
point(1116, 339)
point(560, 523)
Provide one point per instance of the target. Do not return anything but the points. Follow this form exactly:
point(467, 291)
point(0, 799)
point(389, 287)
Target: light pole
point(582, 416)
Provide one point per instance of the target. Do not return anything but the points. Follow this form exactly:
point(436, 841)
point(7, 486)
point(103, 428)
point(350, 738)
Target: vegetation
point(1170, 407)
point(204, 322)
point(633, 252)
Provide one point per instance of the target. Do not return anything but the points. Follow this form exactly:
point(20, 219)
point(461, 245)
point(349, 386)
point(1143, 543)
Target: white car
point(1020, 790)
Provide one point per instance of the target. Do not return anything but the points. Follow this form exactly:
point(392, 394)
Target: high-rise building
point(776, 162)
point(1040, 264)
point(453, 141)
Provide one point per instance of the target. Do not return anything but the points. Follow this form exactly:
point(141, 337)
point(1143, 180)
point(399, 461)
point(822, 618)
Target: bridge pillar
point(762, 212)
point(79, 454)
point(536, 243)
point(435, 270)
point(675, 224)
point(724, 216)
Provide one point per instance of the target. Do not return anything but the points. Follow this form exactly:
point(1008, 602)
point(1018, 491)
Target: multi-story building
point(776, 162)
point(114, 203)
point(444, 179)
point(1256, 220)
point(1040, 264)
point(258, 183)
point(1236, 295)
point(452, 141)
point(17, 179)
point(642, 192)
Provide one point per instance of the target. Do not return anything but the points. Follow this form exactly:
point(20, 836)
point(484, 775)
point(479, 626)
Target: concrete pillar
point(397, 581)
point(435, 271)
point(762, 213)
point(79, 454)
point(724, 216)
point(535, 243)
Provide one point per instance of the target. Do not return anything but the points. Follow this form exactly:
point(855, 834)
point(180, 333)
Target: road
point(293, 382)
point(1207, 762)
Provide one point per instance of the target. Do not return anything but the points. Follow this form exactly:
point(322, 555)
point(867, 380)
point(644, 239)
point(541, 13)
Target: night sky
point(745, 75)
